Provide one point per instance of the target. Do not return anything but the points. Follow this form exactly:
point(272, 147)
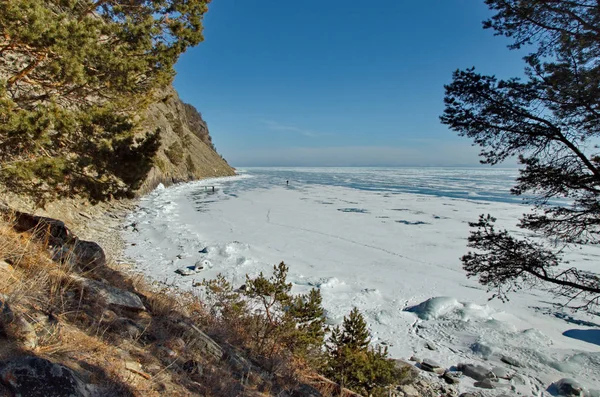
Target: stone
point(485, 384)
point(430, 365)
point(66, 246)
point(186, 271)
point(409, 391)
point(191, 270)
point(469, 395)
point(452, 377)
point(109, 294)
point(477, 372)
point(415, 359)
point(511, 361)
point(568, 387)
point(204, 250)
point(37, 377)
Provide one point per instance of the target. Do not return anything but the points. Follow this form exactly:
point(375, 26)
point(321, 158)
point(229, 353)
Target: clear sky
point(337, 82)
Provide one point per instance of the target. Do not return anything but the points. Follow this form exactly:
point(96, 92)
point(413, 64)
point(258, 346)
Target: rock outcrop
point(186, 152)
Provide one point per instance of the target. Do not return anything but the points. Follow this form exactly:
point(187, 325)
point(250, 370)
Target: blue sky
point(337, 82)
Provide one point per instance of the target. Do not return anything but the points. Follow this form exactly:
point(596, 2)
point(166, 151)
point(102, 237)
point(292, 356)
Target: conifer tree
point(354, 363)
point(550, 121)
point(74, 77)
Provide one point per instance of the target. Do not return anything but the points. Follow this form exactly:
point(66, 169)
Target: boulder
point(191, 270)
point(432, 366)
point(109, 294)
point(186, 271)
point(569, 387)
point(477, 372)
point(66, 246)
point(37, 377)
point(452, 377)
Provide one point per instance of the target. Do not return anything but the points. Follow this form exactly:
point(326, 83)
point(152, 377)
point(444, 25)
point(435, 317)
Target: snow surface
point(394, 255)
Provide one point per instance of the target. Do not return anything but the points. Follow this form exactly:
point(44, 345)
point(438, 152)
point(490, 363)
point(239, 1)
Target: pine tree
point(354, 363)
point(74, 78)
point(549, 120)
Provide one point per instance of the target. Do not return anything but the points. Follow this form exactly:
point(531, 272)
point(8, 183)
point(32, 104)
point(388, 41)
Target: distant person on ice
point(287, 182)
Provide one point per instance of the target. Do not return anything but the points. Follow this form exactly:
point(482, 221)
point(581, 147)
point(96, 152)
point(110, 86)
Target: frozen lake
point(382, 240)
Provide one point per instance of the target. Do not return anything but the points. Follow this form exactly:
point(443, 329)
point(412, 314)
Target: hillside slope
point(186, 152)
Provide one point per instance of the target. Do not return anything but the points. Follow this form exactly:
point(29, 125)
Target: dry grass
point(124, 352)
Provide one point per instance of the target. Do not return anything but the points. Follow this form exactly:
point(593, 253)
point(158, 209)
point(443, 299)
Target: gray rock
point(87, 254)
point(409, 391)
point(65, 246)
point(429, 364)
point(485, 384)
point(569, 387)
point(109, 294)
point(452, 377)
point(469, 395)
point(416, 359)
point(37, 377)
point(511, 361)
point(186, 271)
point(477, 372)
point(191, 270)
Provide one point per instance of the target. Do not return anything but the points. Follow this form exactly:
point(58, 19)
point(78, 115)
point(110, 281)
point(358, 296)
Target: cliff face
point(186, 152)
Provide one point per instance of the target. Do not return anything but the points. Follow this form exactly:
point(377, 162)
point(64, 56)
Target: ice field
point(386, 241)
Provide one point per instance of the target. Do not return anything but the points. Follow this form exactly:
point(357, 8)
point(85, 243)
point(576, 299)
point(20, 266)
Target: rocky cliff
point(187, 152)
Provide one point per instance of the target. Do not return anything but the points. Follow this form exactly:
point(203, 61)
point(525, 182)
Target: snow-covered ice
point(392, 253)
